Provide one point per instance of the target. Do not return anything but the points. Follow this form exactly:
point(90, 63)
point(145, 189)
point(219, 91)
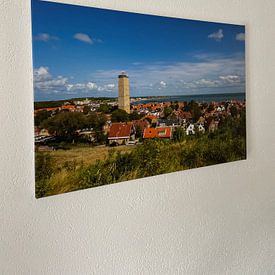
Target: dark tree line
point(65, 124)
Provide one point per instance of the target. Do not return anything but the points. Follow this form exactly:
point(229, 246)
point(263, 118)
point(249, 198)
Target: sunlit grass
point(84, 167)
point(85, 155)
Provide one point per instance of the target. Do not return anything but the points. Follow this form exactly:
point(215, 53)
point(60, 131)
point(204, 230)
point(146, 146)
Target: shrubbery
point(44, 169)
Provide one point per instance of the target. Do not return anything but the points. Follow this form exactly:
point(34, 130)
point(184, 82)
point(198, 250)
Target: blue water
point(198, 98)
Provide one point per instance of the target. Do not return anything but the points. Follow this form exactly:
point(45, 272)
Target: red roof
point(187, 115)
point(141, 123)
point(162, 132)
point(120, 130)
point(46, 109)
point(68, 107)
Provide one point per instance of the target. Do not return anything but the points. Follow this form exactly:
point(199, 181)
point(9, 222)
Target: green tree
point(104, 108)
point(139, 132)
point(65, 124)
point(135, 116)
point(233, 111)
point(119, 116)
point(101, 120)
point(187, 108)
point(196, 113)
point(194, 108)
point(95, 121)
point(41, 116)
point(179, 135)
point(167, 111)
point(210, 108)
point(86, 110)
point(174, 105)
point(101, 138)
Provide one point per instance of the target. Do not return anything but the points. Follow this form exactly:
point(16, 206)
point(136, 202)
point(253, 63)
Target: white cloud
point(83, 37)
point(206, 67)
point(91, 85)
point(219, 82)
point(41, 73)
point(206, 83)
point(45, 37)
point(45, 82)
point(240, 36)
point(106, 88)
point(217, 36)
point(162, 84)
point(110, 86)
point(76, 87)
point(207, 72)
point(231, 79)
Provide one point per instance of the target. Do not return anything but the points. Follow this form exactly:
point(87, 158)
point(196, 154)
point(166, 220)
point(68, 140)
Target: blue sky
point(79, 51)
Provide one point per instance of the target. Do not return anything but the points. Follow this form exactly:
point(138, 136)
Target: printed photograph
point(120, 96)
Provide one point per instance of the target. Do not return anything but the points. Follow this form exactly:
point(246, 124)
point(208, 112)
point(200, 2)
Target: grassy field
point(65, 163)
point(85, 155)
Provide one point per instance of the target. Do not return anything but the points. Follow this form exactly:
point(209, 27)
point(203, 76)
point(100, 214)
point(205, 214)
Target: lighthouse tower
point(123, 92)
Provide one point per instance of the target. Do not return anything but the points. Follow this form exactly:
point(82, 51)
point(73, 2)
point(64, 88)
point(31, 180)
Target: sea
point(198, 98)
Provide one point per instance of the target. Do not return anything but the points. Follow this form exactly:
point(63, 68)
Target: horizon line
point(152, 96)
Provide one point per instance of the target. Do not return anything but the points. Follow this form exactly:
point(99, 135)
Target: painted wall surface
point(212, 220)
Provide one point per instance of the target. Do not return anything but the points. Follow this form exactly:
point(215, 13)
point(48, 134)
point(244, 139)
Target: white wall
point(213, 220)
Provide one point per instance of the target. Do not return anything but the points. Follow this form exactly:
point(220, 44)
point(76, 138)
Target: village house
point(121, 133)
point(183, 117)
point(41, 131)
point(201, 128)
point(152, 118)
point(162, 133)
point(79, 108)
point(142, 124)
point(107, 126)
point(168, 122)
point(154, 113)
point(148, 106)
point(201, 120)
point(88, 134)
point(213, 125)
point(48, 109)
point(186, 115)
point(190, 130)
point(70, 108)
point(82, 102)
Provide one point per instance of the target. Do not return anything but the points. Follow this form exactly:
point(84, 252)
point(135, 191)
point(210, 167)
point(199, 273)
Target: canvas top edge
point(93, 5)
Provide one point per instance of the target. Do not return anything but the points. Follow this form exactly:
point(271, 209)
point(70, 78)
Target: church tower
point(123, 92)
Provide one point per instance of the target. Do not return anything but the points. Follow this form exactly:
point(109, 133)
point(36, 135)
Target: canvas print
point(121, 96)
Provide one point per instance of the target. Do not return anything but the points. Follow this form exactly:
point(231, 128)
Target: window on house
point(162, 133)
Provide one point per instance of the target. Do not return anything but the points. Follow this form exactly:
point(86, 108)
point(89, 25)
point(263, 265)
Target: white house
point(190, 130)
point(201, 128)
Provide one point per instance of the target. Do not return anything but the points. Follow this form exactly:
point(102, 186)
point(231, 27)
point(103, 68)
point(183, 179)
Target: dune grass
point(56, 173)
point(80, 168)
point(84, 155)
